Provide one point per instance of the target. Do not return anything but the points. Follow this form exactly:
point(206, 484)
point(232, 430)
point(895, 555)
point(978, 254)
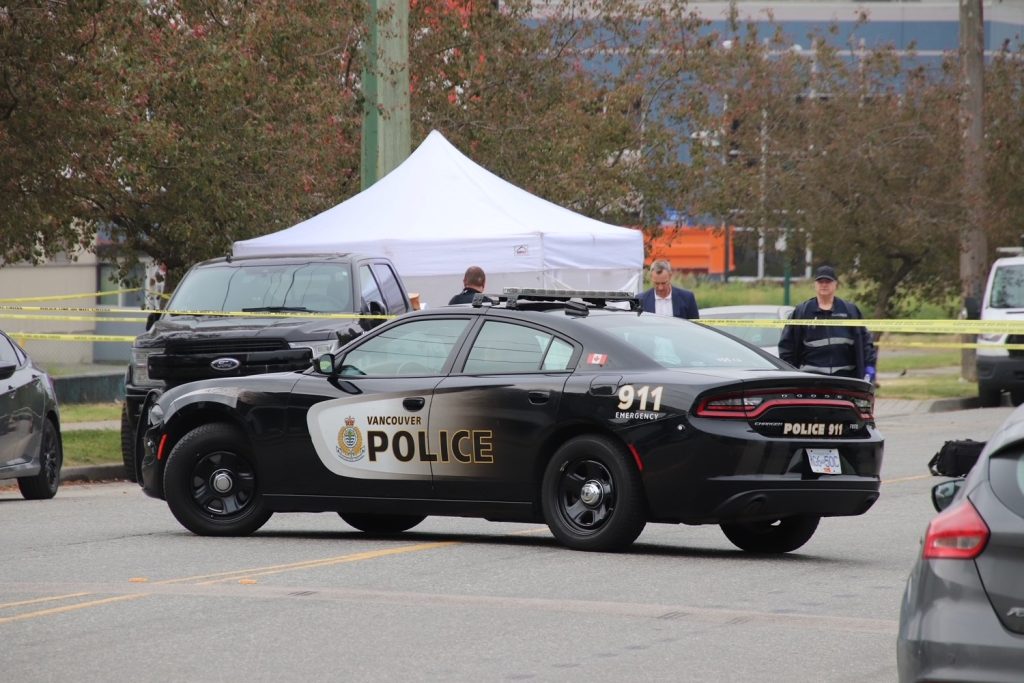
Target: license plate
point(824, 460)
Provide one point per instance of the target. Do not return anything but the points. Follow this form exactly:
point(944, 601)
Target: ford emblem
point(225, 364)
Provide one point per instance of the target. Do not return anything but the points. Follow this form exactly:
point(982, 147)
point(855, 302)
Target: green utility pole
point(386, 137)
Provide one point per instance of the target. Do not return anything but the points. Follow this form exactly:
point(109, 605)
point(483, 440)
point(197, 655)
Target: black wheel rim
point(223, 485)
point(586, 495)
point(50, 458)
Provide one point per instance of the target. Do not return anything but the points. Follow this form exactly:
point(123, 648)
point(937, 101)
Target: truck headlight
point(140, 367)
point(318, 348)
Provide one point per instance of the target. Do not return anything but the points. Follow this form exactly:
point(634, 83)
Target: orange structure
point(691, 249)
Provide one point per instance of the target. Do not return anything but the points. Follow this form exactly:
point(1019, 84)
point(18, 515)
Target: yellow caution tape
point(40, 336)
point(876, 325)
point(61, 297)
point(222, 314)
point(77, 318)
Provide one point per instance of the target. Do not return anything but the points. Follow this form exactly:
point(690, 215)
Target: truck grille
point(190, 360)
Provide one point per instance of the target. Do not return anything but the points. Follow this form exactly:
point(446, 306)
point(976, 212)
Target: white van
point(1001, 370)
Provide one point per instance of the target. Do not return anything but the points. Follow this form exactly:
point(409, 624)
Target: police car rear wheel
point(592, 495)
point(772, 536)
point(381, 524)
point(210, 484)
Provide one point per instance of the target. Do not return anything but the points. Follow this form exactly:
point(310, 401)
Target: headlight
point(318, 348)
point(984, 348)
point(140, 367)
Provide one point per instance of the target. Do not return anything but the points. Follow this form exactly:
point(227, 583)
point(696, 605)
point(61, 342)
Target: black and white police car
point(561, 407)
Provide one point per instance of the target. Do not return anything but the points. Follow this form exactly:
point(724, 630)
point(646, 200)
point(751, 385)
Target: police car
point(571, 408)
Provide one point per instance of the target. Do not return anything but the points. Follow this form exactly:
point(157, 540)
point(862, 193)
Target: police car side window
point(415, 348)
point(505, 347)
point(558, 357)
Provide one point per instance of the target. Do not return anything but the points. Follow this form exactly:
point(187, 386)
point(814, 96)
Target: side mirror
point(151, 320)
point(944, 493)
point(972, 308)
point(7, 369)
point(372, 308)
point(325, 364)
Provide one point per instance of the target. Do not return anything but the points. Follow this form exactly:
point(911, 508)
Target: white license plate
point(824, 460)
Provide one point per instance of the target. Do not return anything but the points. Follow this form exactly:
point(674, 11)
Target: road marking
point(902, 479)
point(70, 608)
point(38, 600)
point(238, 574)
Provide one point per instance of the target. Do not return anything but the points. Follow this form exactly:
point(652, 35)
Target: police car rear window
point(676, 343)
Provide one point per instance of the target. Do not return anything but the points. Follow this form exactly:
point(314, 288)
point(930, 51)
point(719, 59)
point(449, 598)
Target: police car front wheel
point(210, 484)
point(592, 495)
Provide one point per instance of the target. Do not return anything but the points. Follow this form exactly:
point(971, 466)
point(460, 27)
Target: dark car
point(962, 615)
point(542, 407)
point(235, 332)
point(30, 445)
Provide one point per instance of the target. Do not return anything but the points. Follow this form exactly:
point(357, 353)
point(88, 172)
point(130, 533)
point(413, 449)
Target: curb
point(945, 405)
point(88, 473)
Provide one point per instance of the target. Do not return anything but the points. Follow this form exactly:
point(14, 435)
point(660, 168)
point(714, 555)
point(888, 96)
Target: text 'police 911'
point(534, 406)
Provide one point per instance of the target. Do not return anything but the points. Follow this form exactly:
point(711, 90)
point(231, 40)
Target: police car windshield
point(676, 343)
point(322, 287)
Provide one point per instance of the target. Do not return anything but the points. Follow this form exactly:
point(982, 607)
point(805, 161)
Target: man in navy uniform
point(827, 349)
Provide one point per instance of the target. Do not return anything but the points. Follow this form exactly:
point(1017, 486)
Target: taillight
point(957, 533)
point(751, 404)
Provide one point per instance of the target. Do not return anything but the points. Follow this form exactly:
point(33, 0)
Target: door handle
point(539, 398)
point(414, 402)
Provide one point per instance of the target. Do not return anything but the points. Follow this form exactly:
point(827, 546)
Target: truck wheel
point(592, 496)
point(772, 536)
point(128, 444)
point(989, 396)
point(210, 483)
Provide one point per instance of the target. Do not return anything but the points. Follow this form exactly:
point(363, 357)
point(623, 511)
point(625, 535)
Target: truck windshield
point(1008, 287)
point(319, 287)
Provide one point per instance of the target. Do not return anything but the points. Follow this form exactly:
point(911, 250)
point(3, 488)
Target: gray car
point(765, 337)
point(962, 617)
point(30, 444)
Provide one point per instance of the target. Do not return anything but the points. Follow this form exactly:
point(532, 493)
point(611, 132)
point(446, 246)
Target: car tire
point(592, 496)
point(128, 445)
point(381, 524)
point(210, 483)
point(44, 485)
point(1016, 397)
point(772, 536)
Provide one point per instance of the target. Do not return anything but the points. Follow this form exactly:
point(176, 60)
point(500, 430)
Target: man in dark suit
point(664, 298)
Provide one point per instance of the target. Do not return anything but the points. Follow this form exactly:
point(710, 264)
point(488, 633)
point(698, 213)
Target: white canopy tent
point(439, 212)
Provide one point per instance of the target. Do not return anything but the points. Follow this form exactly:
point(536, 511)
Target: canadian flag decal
point(597, 359)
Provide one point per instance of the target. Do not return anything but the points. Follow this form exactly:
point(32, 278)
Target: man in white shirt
point(665, 299)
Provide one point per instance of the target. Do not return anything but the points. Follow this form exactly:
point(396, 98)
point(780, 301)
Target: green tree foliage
point(855, 151)
point(190, 124)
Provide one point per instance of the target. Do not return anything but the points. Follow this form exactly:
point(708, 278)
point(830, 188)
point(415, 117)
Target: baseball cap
point(825, 273)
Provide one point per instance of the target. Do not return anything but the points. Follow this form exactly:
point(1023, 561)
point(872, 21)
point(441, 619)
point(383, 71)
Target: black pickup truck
point(228, 337)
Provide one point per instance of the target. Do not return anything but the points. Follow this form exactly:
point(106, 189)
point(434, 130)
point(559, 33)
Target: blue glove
point(869, 374)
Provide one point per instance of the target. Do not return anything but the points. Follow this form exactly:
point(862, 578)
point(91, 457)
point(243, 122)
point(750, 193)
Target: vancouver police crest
point(350, 441)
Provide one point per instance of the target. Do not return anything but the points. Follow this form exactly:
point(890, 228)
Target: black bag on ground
point(955, 458)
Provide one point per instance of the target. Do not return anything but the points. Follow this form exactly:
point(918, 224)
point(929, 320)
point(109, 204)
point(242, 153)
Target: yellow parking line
point(38, 600)
point(69, 608)
point(217, 578)
point(326, 562)
point(902, 479)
